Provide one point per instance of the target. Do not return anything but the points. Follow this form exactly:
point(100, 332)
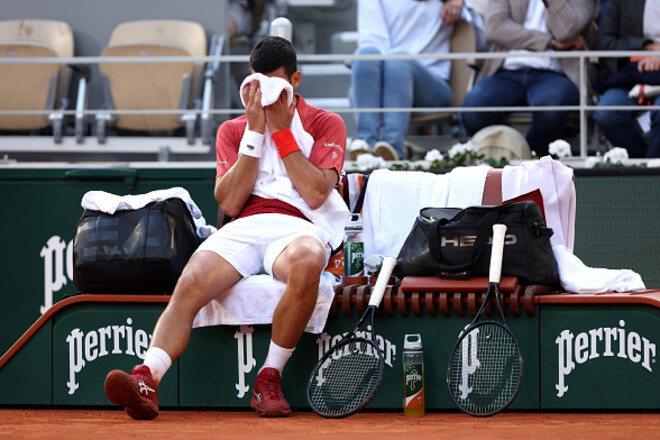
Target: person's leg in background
point(406, 84)
point(654, 140)
point(619, 126)
point(366, 92)
point(548, 88)
point(240, 21)
point(503, 89)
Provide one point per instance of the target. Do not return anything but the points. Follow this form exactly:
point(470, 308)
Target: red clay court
point(205, 424)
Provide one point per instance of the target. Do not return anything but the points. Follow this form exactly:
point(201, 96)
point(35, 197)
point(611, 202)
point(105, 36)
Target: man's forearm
point(313, 185)
point(234, 188)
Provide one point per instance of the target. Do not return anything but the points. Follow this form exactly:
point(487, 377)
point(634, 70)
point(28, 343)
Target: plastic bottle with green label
point(413, 375)
point(353, 246)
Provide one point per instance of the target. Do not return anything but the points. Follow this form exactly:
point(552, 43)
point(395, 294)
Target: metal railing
point(584, 106)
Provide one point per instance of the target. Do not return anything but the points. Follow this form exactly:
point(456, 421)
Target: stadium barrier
point(581, 351)
point(12, 144)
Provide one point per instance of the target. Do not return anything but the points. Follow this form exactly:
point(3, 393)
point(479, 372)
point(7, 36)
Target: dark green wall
point(616, 226)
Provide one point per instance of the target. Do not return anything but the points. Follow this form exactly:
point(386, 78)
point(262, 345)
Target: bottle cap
point(354, 221)
point(412, 341)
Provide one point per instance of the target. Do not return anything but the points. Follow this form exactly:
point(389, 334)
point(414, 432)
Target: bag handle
point(461, 271)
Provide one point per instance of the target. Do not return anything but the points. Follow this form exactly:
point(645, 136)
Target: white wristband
point(252, 143)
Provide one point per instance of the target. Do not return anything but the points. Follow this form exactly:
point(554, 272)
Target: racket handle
point(381, 283)
point(495, 272)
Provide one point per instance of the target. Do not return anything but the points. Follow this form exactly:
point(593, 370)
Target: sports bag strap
point(461, 271)
point(345, 189)
point(493, 187)
point(360, 199)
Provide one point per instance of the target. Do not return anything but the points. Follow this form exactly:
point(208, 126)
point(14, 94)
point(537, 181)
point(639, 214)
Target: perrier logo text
point(413, 378)
point(597, 342)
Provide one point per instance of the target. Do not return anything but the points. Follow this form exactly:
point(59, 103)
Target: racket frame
point(351, 336)
point(374, 301)
point(493, 290)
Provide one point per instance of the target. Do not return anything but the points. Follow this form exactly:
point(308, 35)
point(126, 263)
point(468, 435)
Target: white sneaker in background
point(385, 150)
point(357, 147)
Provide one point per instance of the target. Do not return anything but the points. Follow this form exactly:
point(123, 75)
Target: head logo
point(469, 240)
point(602, 341)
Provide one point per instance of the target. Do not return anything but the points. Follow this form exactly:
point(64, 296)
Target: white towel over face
point(271, 88)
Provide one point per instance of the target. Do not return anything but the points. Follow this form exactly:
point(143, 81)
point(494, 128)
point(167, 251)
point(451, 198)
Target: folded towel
point(252, 301)
point(111, 203)
point(394, 198)
point(576, 277)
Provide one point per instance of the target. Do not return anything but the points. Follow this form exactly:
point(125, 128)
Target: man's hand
point(575, 43)
point(650, 64)
point(255, 113)
point(652, 46)
point(278, 115)
point(451, 12)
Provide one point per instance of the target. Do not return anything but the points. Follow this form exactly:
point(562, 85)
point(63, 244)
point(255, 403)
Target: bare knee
point(305, 261)
point(189, 291)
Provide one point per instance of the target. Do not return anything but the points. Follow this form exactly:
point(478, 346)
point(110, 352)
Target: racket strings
point(485, 370)
point(347, 379)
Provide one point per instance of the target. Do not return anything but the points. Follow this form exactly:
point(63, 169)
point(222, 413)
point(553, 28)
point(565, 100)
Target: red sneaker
point(267, 397)
point(136, 392)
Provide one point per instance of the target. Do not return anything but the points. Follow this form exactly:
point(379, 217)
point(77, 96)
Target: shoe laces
point(271, 388)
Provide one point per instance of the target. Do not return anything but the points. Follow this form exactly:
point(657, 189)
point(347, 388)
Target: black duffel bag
point(455, 243)
point(141, 251)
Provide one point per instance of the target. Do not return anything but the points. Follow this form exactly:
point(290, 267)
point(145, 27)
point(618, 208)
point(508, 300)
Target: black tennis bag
point(455, 243)
point(140, 251)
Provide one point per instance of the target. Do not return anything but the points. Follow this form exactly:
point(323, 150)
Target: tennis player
point(276, 181)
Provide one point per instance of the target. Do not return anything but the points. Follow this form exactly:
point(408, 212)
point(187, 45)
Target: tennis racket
point(348, 375)
point(485, 367)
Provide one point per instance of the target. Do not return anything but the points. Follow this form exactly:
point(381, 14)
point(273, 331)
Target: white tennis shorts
point(251, 244)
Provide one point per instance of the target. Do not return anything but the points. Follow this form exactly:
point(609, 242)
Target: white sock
point(158, 362)
point(277, 357)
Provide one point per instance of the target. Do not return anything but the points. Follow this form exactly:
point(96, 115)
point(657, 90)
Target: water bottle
point(353, 246)
point(413, 376)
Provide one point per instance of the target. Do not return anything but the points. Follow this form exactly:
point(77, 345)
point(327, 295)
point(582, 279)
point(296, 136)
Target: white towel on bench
point(111, 203)
point(252, 301)
point(555, 181)
point(576, 277)
point(393, 200)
